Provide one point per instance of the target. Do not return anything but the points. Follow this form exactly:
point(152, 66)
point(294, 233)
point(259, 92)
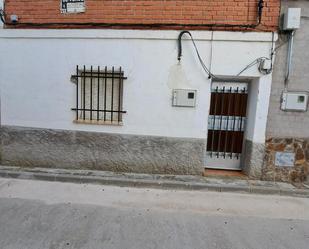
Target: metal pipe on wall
point(289, 59)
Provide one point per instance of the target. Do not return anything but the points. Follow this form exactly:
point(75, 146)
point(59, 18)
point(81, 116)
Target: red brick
point(138, 12)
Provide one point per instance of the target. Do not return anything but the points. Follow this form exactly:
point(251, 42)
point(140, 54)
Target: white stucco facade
point(36, 66)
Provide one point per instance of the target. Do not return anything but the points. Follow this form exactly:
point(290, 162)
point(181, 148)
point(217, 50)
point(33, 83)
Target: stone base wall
point(253, 159)
point(292, 165)
point(31, 147)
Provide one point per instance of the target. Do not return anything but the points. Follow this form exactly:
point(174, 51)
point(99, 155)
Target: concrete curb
point(154, 181)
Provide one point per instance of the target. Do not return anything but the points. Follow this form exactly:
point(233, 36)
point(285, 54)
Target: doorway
point(226, 125)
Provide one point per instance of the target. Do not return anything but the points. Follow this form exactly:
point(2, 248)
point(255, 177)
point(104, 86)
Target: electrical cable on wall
point(260, 7)
point(210, 75)
point(258, 61)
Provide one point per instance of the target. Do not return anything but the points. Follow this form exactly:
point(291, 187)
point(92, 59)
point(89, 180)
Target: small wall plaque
point(72, 6)
point(285, 159)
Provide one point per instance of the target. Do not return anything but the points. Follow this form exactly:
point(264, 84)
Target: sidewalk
point(218, 184)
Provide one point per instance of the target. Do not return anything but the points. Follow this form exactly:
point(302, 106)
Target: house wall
point(37, 96)
point(288, 131)
point(135, 12)
point(1, 7)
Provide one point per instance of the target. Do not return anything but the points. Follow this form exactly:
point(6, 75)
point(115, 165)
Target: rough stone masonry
point(295, 173)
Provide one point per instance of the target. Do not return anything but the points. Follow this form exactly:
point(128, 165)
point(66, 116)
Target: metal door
point(226, 125)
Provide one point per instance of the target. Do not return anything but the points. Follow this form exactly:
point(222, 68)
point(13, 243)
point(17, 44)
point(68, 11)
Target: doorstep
point(184, 182)
point(224, 173)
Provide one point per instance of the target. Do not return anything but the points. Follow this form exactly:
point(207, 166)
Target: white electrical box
point(294, 101)
point(266, 64)
point(184, 97)
point(291, 19)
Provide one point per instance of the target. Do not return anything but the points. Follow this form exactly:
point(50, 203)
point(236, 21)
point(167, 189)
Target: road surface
point(53, 215)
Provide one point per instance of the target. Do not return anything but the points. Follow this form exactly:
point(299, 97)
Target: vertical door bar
point(214, 120)
point(220, 124)
point(241, 109)
point(227, 120)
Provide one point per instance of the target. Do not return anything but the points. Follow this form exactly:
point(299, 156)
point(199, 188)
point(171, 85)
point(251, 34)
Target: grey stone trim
point(33, 147)
point(253, 159)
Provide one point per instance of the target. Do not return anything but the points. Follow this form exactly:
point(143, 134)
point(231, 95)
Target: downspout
point(289, 59)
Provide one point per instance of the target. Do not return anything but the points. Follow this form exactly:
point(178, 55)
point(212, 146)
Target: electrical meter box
point(294, 101)
point(291, 19)
point(184, 97)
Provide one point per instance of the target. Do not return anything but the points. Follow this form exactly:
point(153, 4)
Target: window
point(99, 95)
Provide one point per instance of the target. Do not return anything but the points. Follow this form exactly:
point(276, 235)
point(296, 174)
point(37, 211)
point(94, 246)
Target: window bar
point(91, 97)
point(214, 121)
point(220, 126)
point(84, 93)
point(112, 113)
point(98, 95)
point(105, 86)
point(234, 121)
point(227, 121)
point(102, 75)
point(77, 96)
point(88, 110)
point(119, 96)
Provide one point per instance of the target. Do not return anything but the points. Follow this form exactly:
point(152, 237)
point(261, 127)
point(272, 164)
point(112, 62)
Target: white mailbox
point(184, 97)
point(294, 101)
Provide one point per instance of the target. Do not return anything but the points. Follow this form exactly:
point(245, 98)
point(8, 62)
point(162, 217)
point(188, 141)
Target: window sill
point(95, 122)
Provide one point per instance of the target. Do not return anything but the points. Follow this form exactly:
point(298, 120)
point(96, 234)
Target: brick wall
point(138, 12)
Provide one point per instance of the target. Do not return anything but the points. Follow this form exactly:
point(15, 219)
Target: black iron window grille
point(99, 95)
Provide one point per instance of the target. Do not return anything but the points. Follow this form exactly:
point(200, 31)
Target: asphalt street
point(54, 215)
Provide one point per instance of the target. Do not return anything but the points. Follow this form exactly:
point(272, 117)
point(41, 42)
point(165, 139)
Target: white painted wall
point(258, 103)
point(36, 66)
point(1, 8)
